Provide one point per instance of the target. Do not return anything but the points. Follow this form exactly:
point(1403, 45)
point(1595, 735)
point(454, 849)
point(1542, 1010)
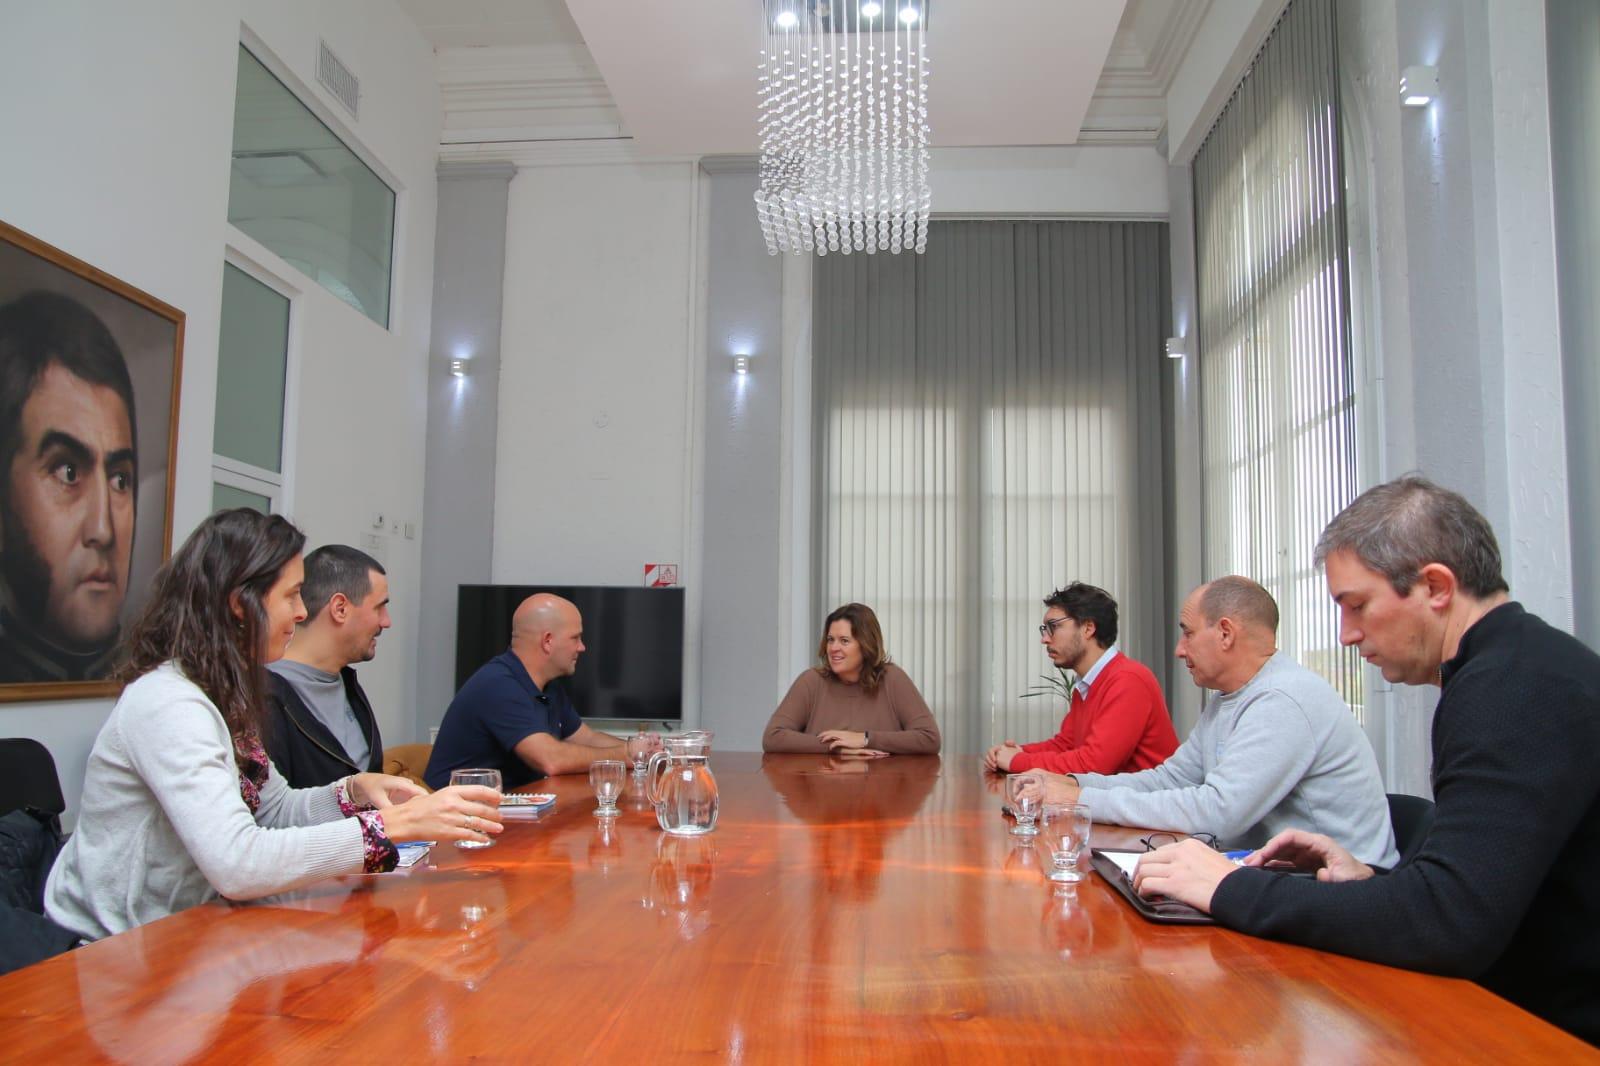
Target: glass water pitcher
point(678, 781)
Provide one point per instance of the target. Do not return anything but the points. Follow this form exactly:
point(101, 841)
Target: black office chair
point(28, 779)
point(1411, 817)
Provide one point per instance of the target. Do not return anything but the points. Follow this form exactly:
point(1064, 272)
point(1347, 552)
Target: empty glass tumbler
point(606, 777)
point(1024, 807)
point(1066, 831)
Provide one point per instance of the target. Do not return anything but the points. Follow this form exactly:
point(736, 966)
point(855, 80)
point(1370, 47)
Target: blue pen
point(1237, 857)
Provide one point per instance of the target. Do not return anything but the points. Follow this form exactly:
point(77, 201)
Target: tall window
point(252, 371)
point(1277, 389)
point(300, 191)
point(989, 427)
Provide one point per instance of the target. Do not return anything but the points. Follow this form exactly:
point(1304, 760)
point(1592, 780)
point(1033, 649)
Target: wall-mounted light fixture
point(1419, 86)
point(1177, 347)
point(741, 364)
point(458, 368)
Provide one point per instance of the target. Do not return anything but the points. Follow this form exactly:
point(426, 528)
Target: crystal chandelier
point(844, 126)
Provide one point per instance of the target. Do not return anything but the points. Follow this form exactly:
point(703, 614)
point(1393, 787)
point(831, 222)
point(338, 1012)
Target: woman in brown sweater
point(856, 702)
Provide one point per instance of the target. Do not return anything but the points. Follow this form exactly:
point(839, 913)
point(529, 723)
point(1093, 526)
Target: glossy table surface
point(838, 910)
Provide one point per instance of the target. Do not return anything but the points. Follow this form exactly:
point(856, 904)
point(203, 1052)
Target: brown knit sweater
point(894, 718)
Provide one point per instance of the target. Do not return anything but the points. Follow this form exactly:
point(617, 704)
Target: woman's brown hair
point(864, 628)
point(189, 619)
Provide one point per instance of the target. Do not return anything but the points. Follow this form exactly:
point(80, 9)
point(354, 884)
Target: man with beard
point(1117, 720)
point(68, 477)
point(320, 726)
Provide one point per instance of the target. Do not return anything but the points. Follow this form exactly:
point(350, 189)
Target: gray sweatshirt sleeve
point(1269, 750)
point(1183, 769)
point(180, 748)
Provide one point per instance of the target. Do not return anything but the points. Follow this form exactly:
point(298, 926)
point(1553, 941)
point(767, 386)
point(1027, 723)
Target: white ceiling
point(484, 23)
point(678, 78)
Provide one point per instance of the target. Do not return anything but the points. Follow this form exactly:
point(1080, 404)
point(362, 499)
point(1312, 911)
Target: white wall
point(609, 374)
point(362, 401)
point(1093, 181)
point(594, 454)
point(119, 156)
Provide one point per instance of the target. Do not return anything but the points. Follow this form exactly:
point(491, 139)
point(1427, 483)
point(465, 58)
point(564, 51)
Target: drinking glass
point(1024, 808)
point(640, 745)
point(1066, 831)
point(606, 776)
point(486, 778)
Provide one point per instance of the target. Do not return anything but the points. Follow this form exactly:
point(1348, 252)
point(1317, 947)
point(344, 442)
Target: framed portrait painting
point(89, 374)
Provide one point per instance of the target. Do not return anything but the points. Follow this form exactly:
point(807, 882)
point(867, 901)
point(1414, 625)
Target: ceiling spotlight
point(786, 20)
point(910, 15)
point(871, 9)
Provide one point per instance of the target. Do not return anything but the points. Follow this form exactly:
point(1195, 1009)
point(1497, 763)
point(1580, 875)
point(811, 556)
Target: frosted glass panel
point(252, 357)
point(226, 497)
point(297, 189)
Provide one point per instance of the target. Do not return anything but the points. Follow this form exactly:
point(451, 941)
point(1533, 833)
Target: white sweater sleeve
point(180, 746)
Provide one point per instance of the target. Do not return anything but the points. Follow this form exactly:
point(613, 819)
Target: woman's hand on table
point(382, 790)
point(460, 812)
point(842, 738)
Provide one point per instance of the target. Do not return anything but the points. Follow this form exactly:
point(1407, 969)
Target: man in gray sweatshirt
point(1275, 748)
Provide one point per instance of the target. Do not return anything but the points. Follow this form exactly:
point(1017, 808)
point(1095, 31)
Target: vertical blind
point(1276, 385)
point(988, 427)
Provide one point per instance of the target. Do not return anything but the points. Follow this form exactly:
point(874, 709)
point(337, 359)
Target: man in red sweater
point(1117, 720)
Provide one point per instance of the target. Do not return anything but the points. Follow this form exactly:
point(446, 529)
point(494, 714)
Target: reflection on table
point(839, 909)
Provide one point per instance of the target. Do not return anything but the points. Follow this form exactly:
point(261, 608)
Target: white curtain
point(988, 426)
point(1276, 386)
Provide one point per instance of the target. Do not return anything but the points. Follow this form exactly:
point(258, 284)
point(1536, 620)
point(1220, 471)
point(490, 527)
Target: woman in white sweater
point(180, 803)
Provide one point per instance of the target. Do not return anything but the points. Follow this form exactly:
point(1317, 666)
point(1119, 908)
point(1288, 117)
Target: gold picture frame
point(87, 454)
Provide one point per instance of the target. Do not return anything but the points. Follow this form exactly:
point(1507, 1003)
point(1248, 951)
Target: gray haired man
point(1503, 888)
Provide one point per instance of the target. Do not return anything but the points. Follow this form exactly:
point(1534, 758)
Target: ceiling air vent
point(337, 79)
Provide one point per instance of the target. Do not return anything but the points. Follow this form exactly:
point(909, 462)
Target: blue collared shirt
point(1081, 688)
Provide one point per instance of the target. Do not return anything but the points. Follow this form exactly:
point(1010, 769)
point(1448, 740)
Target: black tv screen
point(633, 666)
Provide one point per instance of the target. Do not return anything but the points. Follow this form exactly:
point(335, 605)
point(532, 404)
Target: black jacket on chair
point(28, 846)
point(302, 748)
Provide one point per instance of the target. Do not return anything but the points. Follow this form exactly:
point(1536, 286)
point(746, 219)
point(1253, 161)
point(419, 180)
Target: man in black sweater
point(1505, 887)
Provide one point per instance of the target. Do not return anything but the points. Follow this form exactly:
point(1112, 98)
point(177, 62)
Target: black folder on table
point(1158, 909)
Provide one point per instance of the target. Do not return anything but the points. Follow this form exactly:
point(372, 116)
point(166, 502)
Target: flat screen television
point(632, 669)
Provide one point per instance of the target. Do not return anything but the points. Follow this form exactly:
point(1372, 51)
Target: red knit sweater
point(1123, 726)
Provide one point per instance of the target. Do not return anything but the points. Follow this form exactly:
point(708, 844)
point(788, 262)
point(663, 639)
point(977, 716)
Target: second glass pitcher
point(679, 782)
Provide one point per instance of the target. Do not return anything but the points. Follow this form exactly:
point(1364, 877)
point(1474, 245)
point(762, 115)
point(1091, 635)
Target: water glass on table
point(606, 777)
point(1024, 806)
point(640, 745)
point(1066, 832)
point(485, 778)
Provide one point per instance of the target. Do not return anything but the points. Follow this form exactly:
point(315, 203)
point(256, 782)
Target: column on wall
point(463, 406)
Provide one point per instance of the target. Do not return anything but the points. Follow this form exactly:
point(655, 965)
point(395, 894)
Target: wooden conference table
point(839, 910)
